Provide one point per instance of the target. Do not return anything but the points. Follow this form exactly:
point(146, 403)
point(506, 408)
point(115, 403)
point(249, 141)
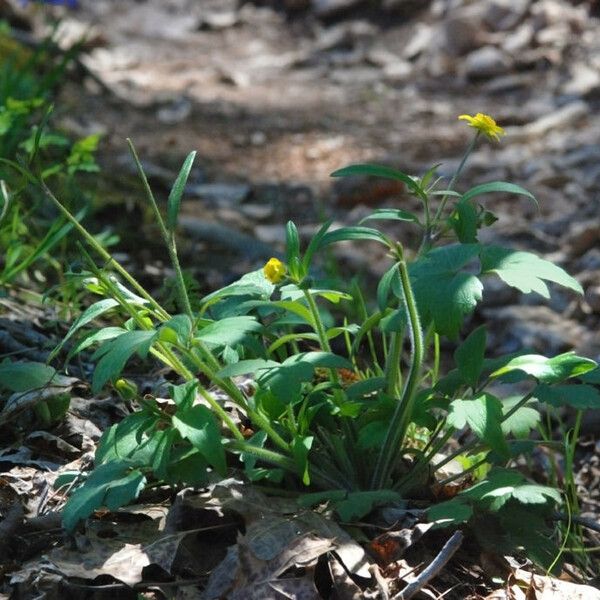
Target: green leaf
point(247, 367)
point(464, 221)
point(353, 233)
point(113, 485)
point(391, 214)
point(483, 414)
point(25, 376)
point(365, 387)
point(358, 504)
point(198, 425)
point(127, 440)
point(521, 422)
point(228, 331)
point(177, 191)
point(498, 186)
point(389, 281)
point(501, 485)
point(525, 271)
point(253, 284)
point(292, 243)
point(117, 352)
point(592, 376)
point(581, 397)
point(180, 326)
point(88, 315)
point(444, 293)
point(548, 370)
point(380, 171)
point(300, 449)
point(450, 513)
point(469, 356)
point(314, 245)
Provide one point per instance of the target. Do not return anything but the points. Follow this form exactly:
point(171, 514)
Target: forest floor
point(274, 100)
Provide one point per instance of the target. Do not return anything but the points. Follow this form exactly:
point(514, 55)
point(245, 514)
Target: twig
point(439, 562)
point(583, 521)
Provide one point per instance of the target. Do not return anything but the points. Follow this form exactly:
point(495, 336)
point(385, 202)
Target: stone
point(221, 194)
point(462, 32)
point(487, 62)
point(419, 42)
point(325, 9)
point(504, 15)
point(581, 237)
point(583, 80)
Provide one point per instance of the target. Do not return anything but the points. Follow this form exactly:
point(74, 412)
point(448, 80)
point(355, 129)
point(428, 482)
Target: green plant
point(30, 233)
point(353, 414)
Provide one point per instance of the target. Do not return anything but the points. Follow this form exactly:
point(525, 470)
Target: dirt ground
point(275, 96)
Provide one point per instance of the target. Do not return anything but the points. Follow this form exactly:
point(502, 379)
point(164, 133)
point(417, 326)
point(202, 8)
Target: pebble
point(503, 15)
point(487, 62)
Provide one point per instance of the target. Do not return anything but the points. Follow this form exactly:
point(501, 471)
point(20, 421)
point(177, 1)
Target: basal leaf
point(198, 425)
point(23, 376)
point(483, 414)
point(525, 271)
point(579, 396)
point(521, 422)
point(450, 513)
point(113, 485)
point(469, 356)
point(177, 191)
point(117, 352)
point(445, 293)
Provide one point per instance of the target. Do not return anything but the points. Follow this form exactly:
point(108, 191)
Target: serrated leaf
point(174, 200)
point(581, 397)
point(525, 271)
point(113, 485)
point(501, 485)
point(198, 425)
point(483, 414)
point(521, 422)
point(548, 370)
point(450, 513)
point(379, 171)
point(391, 214)
point(117, 352)
point(25, 376)
point(228, 331)
point(444, 293)
point(469, 356)
point(498, 186)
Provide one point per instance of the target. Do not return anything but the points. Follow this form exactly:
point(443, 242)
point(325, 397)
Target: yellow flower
point(485, 124)
point(274, 270)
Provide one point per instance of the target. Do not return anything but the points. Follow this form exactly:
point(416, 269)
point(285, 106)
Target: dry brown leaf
point(550, 588)
point(343, 586)
point(116, 557)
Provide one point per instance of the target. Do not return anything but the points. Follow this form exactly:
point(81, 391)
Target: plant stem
point(168, 237)
point(110, 261)
point(403, 412)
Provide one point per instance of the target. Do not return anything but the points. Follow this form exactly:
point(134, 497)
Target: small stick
point(583, 521)
point(438, 563)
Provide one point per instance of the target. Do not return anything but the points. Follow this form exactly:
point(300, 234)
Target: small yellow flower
point(274, 270)
point(485, 124)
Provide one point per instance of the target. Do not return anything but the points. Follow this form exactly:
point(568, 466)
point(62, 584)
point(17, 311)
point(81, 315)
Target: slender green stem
point(218, 409)
point(168, 236)
point(403, 412)
point(392, 365)
point(468, 470)
point(111, 262)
